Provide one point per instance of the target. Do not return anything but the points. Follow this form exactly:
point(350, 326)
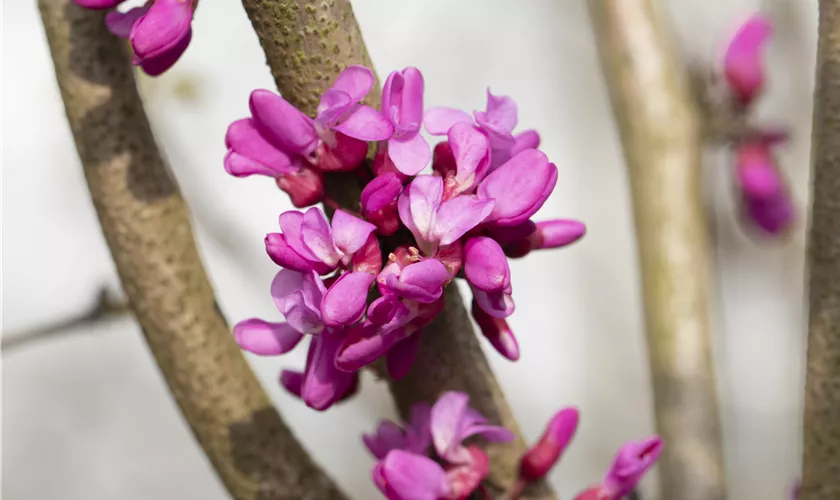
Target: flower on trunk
point(632, 462)
point(159, 31)
point(404, 472)
point(742, 63)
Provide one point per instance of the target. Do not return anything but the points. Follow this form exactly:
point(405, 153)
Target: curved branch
point(821, 449)
point(661, 137)
point(307, 43)
point(147, 227)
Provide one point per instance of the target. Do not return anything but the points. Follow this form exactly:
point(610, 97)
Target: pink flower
point(379, 202)
point(435, 222)
point(632, 462)
point(405, 473)
point(520, 240)
point(402, 105)
point(308, 242)
point(519, 187)
point(161, 35)
point(470, 152)
point(540, 458)
point(98, 4)
point(497, 123)
point(340, 110)
point(497, 331)
point(742, 64)
point(765, 196)
point(488, 273)
point(299, 298)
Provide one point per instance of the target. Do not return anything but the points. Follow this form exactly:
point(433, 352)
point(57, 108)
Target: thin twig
point(105, 307)
point(147, 227)
point(307, 43)
point(821, 448)
point(662, 137)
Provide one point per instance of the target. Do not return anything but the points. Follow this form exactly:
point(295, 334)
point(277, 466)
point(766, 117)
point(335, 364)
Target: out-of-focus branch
point(146, 224)
point(105, 307)
point(661, 136)
point(307, 43)
point(821, 449)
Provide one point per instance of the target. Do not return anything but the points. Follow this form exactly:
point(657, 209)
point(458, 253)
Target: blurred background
point(86, 414)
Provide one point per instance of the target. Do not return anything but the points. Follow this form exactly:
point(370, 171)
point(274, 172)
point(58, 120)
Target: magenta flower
point(98, 4)
point(632, 462)
point(161, 35)
point(414, 437)
point(308, 243)
point(519, 187)
point(764, 194)
point(540, 458)
point(497, 331)
point(470, 153)
point(435, 222)
point(520, 240)
point(379, 202)
point(402, 105)
point(497, 123)
point(299, 298)
point(422, 280)
point(405, 473)
point(487, 271)
point(742, 64)
point(120, 23)
point(340, 110)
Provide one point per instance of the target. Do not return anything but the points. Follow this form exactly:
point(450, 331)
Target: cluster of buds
point(405, 471)
point(765, 197)
point(159, 31)
point(463, 220)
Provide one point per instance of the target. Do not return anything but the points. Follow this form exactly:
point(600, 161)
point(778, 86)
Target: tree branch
point(661, 138)
point(821, 449)
point(307, 44)
point(146, 224)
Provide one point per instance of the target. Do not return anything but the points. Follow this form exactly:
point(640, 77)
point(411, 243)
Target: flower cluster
point(463, 220)
point(765, 196)
point(404, 470)
point(159, 31)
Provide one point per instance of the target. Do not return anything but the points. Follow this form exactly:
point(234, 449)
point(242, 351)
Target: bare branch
point(105, 307)
point(147, 227)
point(662, 138)
point(821, 449)
point(307, 43)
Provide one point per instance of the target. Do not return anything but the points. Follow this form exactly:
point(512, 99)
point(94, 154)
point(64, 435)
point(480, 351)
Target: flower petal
point(364, 345)
point(497, 304)
point(459, 215)
point(300, 316)
point(350, 233)
point(418, 205)
point(402, 98)
point(120, 23)
point(520, 187)
point(333, 104)
point(162, 29)
point(292, 381)
point(98, 4)
point(356, 81)
point(399, 359)
point(365, 123)
point(422, 281)
point(265, 338)
point(410, 155)
point(631, 463)
point(558, 233)
point(388, 436)
point(345, 301)
point(418, 431)
point(282, 123)
point(324, 384)
point(317, 236)
point(446, 420)
point(499, 120)
point(439, 120)
point(284, 284)
point(304, 187)
point(414, 477)
point(381, 192)
point(471, 150)
point(742, 64)
point(485, 265)
point(368, 259)
point(497, 332)
point(158, 64)
point(244, 139)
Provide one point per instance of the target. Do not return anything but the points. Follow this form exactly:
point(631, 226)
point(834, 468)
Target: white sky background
point(86, 415)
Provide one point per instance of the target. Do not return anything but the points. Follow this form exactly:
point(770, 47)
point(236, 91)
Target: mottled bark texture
point(821, 468)
point(307, 44)
point(661, 137)
point(147, 227)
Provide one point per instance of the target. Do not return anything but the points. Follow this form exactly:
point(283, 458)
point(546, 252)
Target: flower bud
point(540, 458)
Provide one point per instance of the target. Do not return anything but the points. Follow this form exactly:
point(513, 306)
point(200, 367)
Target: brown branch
point(661, 138)
point(147, 227)
point(821, 449)
point(307, 43)
point(105, 307)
